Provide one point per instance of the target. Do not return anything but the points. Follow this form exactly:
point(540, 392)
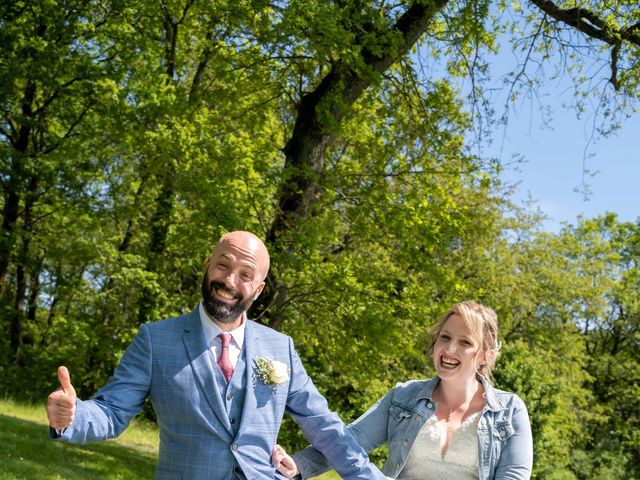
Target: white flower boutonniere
point(271, 372)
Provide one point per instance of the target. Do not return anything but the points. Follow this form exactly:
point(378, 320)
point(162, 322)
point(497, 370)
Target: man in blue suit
point(219, 384)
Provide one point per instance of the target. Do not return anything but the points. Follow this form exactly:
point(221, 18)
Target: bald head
point(250, 245)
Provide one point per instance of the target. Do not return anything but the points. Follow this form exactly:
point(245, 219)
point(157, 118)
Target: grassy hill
point(26, 453)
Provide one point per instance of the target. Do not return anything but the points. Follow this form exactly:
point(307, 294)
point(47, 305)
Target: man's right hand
point(61, 404)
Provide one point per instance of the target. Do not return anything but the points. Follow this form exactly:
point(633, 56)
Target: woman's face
point(454, 353)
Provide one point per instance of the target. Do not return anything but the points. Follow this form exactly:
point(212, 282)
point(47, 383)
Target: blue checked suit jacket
point(170, 361)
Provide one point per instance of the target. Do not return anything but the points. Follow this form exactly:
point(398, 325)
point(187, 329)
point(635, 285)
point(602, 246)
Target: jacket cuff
point(305, 468)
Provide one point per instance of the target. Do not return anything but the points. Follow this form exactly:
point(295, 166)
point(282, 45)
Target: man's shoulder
point(178, 322)
point(265, 331)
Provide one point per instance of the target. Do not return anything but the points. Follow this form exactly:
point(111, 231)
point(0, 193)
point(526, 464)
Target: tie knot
point(225, 338)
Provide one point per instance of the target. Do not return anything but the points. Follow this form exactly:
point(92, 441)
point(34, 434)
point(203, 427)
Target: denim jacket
point(505, 446)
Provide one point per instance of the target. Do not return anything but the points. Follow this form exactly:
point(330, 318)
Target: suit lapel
point(200, 358)
point(250, 406)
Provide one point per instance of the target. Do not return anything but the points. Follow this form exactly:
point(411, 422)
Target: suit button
point(229, 397)
point(232, 421)
point(429, 404)
point(234, 447)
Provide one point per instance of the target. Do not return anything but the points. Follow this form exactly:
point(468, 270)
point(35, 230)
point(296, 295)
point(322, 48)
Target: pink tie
point(223, 360)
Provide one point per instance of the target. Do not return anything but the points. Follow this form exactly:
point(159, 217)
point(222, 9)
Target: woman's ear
point(489, 357)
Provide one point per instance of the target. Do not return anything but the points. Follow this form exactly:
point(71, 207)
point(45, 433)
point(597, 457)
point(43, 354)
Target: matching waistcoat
point(233, 398)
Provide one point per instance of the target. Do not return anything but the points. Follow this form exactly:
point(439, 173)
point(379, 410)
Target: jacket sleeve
point(324, 429)
point(516, 458)
point(119, 401)
point(369, 430)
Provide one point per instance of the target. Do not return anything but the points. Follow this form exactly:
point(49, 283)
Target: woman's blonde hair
point(483, 323)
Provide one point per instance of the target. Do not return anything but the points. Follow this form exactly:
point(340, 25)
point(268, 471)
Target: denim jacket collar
point(493, 403)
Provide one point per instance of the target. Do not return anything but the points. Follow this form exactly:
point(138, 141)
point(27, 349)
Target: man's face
point(233, 279)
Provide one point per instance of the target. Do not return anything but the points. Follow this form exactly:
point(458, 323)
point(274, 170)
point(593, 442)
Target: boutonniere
point(271, 372)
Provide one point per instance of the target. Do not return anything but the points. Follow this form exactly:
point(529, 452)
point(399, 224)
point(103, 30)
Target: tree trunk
point(160, 224)
point(9, 219)
point(20, 144)
point(20, 304)
point(306, 149)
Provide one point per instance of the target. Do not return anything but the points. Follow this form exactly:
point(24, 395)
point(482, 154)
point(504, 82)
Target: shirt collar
point(211, 330)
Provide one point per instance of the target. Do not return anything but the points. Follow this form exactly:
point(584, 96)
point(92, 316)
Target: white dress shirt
point(211, 332)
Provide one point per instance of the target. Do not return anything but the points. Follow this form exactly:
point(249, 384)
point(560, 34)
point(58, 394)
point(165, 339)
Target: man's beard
point(219, 311)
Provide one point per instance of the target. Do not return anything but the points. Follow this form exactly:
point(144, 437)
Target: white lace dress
point(460, 461)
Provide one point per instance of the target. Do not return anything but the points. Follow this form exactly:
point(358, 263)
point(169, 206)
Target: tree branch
point(318, 112)
point(595, 27)
point(615, 51)
point(589, 23)
point(339, 89)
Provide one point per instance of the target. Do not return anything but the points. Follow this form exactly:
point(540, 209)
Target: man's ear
point(258, 291)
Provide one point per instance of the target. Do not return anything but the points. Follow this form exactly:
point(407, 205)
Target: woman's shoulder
point(506, 399)
point(413, 388)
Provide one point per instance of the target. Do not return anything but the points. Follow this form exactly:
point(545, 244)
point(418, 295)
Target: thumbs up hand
point(61, 404)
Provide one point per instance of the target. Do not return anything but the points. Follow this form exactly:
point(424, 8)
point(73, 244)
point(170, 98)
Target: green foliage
point(134, 134)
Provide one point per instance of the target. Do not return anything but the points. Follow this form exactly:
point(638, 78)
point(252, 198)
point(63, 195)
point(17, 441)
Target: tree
point(55, 76)
point(607, 255)
point(134, 134)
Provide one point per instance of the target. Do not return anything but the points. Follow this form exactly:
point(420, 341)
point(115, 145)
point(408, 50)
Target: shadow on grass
point(26, 452)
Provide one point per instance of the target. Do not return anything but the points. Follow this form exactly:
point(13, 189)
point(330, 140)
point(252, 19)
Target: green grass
point(27, 453)
point(332, 475)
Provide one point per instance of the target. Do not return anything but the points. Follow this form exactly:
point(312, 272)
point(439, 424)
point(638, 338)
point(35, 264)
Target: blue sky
point(555, 156)
point(555, 160)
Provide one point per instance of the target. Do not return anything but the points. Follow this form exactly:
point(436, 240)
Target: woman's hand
point(283, 462)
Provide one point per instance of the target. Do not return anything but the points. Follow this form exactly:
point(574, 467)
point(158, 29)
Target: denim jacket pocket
point(502, 430)
point(399, 420)
point(399, 412)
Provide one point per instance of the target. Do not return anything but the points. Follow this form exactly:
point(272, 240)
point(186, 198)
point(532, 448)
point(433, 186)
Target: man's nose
point(229, 279)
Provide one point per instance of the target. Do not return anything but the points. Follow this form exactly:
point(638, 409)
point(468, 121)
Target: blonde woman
point(455, 426)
